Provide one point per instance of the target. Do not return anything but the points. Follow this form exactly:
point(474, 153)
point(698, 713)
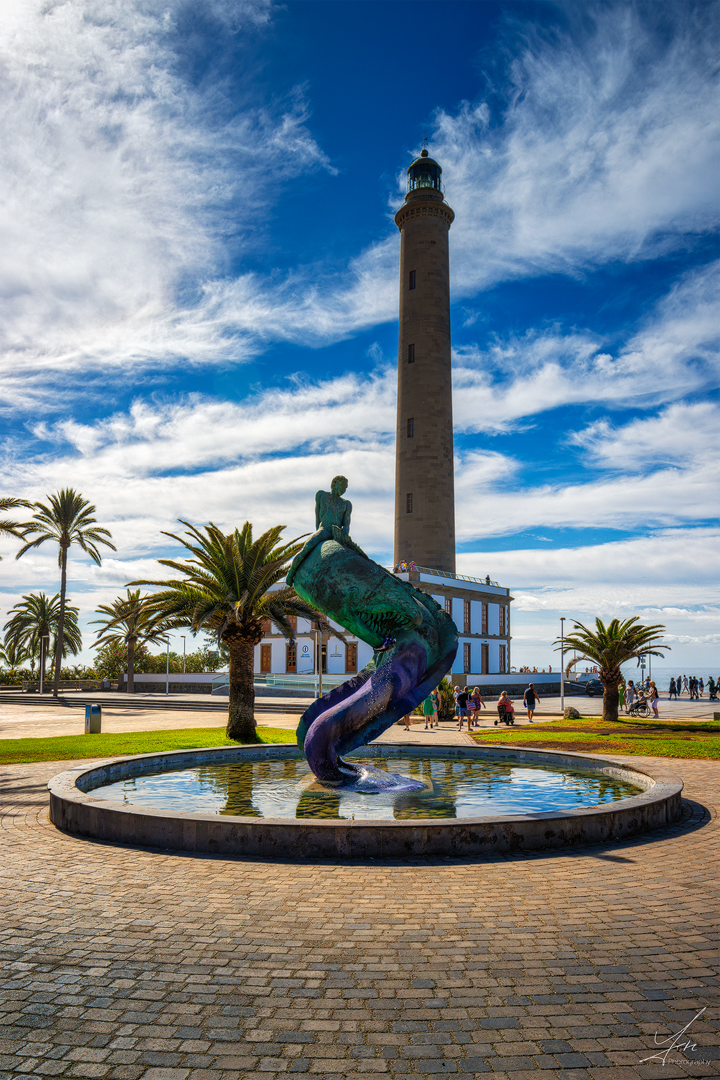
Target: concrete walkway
point(34, 721)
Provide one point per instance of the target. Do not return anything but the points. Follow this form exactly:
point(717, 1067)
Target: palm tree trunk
point(131, 666)
point(611, 698)
point(241, 692)
point(61, 620)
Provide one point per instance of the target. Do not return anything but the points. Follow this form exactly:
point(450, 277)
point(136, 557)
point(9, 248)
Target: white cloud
point(675, 352)
point(606, 146)
point(674, 564)
point(680, 435)
point(668, 577)
point(118, 173)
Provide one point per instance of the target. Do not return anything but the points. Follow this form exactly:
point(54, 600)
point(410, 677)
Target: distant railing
point(288, 682)
point(33, 687)
point(444, 573)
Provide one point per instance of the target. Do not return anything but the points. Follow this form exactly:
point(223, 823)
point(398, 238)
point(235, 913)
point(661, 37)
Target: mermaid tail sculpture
point(415, 641)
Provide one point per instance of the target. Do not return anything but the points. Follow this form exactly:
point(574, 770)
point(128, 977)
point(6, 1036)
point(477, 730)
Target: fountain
point(344, 799)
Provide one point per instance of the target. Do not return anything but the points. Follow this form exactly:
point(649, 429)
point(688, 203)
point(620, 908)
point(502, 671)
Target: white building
point(480, 609)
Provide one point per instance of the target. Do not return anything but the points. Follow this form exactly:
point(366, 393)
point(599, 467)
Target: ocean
point(663, 673)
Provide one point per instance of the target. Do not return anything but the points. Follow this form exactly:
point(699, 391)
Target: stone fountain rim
point(74, 809)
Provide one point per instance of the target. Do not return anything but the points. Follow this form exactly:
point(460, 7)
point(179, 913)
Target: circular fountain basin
point(263, 801)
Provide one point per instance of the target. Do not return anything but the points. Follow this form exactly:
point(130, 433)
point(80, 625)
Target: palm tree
point(229, 586)
point(36, 618)
point(13, 528)
point(68, 521)
point(129, 622)
point(12, 655)
point(608, 648)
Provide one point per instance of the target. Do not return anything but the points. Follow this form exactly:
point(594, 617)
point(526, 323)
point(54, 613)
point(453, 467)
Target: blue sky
point(198, 269)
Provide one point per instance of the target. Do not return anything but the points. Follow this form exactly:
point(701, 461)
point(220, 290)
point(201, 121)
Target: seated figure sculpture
point(413, 638)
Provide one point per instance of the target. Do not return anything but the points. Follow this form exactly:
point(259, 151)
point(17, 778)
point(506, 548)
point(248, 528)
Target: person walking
point(630, 695)
point(653, 698)
point(701, 686)
point(435, 696)
point(685, 684)
point(462, 700)
point(529, 700)
point(428, 708)
point(621, 695)
point(479, 704)
point(672, 692)
point(470, 707)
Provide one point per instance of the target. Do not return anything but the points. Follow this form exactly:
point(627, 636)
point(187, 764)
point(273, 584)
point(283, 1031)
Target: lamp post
point(183, 639)
point(318, 660)
point(167, 666)
point(43, 639)
point(562, 665)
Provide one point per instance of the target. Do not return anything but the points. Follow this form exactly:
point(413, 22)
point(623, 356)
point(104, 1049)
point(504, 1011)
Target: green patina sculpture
point(413, 639)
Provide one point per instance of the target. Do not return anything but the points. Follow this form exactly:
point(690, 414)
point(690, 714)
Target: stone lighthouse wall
point(424, 486)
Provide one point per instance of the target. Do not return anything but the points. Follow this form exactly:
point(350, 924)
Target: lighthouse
point(424, 487)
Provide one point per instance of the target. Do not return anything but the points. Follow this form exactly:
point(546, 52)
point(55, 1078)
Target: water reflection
point(454, 788)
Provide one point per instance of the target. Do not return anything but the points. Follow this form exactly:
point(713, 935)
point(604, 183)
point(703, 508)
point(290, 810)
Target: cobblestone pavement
point(126, 963)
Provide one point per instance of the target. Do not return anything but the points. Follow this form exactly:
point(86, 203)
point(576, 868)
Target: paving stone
point(148, 965)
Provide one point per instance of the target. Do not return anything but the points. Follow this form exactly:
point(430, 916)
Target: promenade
point(133, 964)
point(20, 721)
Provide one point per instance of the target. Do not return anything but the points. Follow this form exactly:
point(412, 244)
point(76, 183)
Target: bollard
point(93, 719)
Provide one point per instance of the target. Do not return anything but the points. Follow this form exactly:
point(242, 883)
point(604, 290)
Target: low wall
point(196, 682)
point(76, 809)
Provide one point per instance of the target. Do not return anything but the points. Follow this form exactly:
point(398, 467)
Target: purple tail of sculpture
point(359, 710)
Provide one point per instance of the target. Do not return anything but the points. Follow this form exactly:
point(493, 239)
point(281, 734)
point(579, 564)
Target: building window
point(484, 658)
point(291, 657)
point(351, 656)
point(503, 654)
point(411, 427)
point(411, 354)
point(484, 621)
point(466, 658)
point(503, 621)
point(448, 605)
point(266, 658)
point(412, 279)
point(466, 616)
point(408, 504)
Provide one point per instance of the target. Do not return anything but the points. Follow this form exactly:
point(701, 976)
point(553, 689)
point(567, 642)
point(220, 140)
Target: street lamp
point(183, 639)
point(167, 666)
point(43, 650)
point(318, 659)
point(562, 665)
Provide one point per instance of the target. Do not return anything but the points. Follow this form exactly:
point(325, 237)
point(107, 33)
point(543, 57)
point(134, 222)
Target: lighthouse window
point(411, 354)
point(408, 508)
point(412, 279)
point(411, 427)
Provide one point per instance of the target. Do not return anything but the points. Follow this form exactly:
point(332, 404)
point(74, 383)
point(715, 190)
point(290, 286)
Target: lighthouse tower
point(424, 488)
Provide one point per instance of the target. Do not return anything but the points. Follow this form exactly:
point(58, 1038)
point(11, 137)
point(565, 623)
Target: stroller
point(505, 715)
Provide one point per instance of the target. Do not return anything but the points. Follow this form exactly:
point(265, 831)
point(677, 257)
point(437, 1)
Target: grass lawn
point(590, 734)
point(67, 747)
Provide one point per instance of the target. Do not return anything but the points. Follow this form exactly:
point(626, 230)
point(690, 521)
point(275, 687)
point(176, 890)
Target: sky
point(198, 285)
